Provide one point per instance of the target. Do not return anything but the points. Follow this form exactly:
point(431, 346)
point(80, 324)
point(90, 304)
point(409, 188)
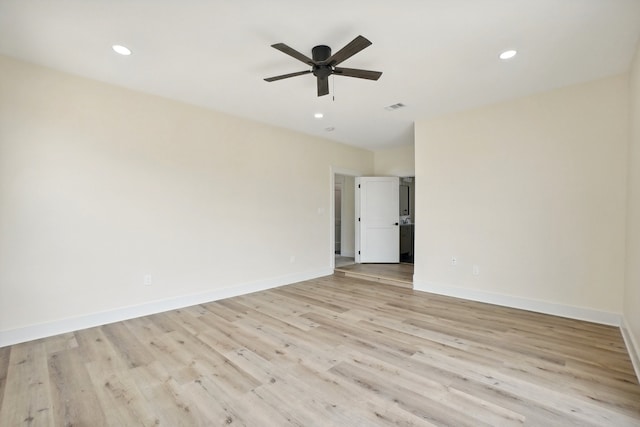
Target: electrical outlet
point(292, 259)
point(454, 260)
point(476, 269)
point(147, 279)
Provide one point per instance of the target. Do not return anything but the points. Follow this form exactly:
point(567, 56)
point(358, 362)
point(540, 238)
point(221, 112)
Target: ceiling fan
point(325, 64)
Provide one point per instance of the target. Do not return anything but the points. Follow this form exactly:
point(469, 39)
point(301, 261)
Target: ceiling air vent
point(395, 106)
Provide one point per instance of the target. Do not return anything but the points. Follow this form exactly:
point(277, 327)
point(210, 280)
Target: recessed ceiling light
point(122, 50)
point(318, 115)
point(508, 54)
point(330, 129)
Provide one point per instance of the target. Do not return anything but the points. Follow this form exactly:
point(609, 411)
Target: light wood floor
point(341, 261)
point(333, 351)
point(390, 274)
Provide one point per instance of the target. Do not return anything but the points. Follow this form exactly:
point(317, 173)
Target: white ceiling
point(437, 56)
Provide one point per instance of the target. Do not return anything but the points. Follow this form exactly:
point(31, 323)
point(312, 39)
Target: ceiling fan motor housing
point(320, 54)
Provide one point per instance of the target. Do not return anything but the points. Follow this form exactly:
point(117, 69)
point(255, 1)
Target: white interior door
point(377, 220)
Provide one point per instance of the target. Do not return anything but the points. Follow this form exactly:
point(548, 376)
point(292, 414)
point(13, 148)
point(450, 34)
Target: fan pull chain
point(333, 83)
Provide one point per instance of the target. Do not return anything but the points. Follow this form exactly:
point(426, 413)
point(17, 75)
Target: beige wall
point(396, 161)
point(100, 186)
point(632, 285)
point(532, 191)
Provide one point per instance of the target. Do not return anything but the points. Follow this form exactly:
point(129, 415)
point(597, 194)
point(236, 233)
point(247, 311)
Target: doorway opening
point(343, 232)
point(407, 219)
point(344, 220)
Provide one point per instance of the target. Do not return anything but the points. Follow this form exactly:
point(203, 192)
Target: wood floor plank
point(371, 410)
point(27, 398)
point(5, 353)
point(120, 398)
point(332, 351)
point(412, 402)
point(279, 308)
point(171, 406)
point(293, 292)
point(447, 397)
point(215, 404)
point(574, 373)
point(540, 394)
point(127, 345)
point(73, 400)
point(535, 413)
point(239, 337)
point(392, 272)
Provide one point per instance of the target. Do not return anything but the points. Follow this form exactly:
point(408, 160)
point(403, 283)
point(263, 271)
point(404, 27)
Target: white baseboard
point(572, 312)
point(43, 330)
point(633, 346)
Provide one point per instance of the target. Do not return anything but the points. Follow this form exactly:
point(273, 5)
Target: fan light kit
point(508, 54)
point(122, 50)
point(324, 64)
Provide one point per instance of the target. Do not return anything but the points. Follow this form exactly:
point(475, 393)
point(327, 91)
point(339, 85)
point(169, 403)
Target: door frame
point(333, 171)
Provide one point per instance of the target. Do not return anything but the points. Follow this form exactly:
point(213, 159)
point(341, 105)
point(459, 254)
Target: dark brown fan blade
point(323, 86)
point(292, 52)
point(355, 46)
point(286, 76)
point(354, 72)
